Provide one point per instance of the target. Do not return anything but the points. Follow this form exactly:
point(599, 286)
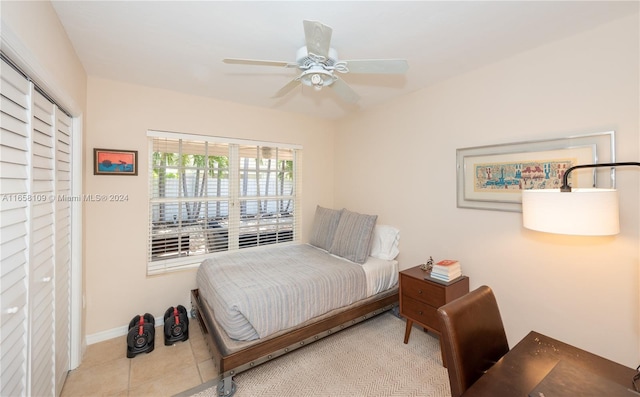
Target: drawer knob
point(419, 291)
point(420, 312)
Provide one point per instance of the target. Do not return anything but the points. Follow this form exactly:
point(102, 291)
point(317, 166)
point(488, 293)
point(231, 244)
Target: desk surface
point(519, 371)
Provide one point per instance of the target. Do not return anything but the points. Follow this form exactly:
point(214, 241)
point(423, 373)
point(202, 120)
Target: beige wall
point(46, 48)
point(119, 116)
point(399, 161)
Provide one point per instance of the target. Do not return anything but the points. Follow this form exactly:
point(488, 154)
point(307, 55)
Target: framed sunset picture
point(115, 162)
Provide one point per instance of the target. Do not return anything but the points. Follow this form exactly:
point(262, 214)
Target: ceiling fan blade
point(378, 66)
point(317, 37)
point(344, 91)
point(287, 88)
point(234, 61)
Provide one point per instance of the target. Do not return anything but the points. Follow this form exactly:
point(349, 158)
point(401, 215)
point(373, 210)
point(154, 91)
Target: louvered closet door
point(63, 249)
point(15, 117)
point(42, 247)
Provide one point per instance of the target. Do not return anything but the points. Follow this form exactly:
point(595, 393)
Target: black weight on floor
point(176, 325)
point(141, 335)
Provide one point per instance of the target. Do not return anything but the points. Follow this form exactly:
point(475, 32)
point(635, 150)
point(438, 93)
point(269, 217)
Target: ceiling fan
point(318, 63)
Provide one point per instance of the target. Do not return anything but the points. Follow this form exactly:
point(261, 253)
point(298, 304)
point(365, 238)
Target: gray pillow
point(352, 239)
point(324, 227)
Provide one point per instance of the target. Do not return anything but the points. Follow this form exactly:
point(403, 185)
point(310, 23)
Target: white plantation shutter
point(42, 255)
point(63, 250)
point(15, 115)
point(213, 194)
point(35, 259)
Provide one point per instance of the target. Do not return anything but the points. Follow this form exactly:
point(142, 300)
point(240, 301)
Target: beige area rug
point(367, 359)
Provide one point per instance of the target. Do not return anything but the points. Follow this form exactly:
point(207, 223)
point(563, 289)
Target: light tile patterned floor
point(167, 370)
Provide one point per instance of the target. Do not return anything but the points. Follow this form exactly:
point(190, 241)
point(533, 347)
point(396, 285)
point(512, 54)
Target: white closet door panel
point(42, 265)
point(63, 250)
point(15, 105)
point(35, 250)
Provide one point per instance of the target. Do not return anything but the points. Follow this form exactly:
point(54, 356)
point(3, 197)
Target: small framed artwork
point(493, 177)
point(115, 162)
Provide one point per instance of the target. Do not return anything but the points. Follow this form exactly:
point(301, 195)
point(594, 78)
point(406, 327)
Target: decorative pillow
point(352, 239)
point(384, 242)
point(324, 227)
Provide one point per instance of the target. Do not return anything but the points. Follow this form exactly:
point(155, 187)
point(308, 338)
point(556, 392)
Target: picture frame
point(492, 177)
point(115, 162)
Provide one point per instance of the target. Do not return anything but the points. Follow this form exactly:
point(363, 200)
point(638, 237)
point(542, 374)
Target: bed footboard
point(229, 365)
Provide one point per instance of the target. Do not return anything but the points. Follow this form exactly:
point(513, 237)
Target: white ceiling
point(179, 45)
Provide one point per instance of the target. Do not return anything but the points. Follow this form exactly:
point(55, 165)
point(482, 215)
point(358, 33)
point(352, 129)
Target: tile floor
point(167, 370)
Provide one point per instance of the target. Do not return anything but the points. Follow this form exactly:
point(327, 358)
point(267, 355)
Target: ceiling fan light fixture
point(317, 78)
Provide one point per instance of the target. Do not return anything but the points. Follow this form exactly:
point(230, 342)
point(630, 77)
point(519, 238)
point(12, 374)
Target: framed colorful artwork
point(492, 177)
point(115, 162)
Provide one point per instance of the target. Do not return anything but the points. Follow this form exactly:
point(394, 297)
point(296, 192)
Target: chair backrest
point(473, 337)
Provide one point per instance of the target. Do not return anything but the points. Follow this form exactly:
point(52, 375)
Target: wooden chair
point(473, 337)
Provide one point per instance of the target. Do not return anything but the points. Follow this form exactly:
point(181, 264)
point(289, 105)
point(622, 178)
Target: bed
point(255, 305)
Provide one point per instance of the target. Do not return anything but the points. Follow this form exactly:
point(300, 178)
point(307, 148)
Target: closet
point(35, 247)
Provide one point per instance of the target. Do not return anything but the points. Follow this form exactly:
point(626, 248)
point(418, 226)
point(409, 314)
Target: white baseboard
point(116, 332)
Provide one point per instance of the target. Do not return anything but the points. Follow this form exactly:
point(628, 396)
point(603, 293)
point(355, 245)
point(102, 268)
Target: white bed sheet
point(381, 274)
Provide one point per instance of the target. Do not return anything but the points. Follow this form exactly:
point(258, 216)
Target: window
point(211, 194)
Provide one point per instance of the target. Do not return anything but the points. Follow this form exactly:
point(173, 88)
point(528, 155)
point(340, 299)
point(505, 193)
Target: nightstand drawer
point(429, 293)
point(421, 313)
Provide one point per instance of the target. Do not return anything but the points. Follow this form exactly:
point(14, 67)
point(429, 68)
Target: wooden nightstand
point(420, 299)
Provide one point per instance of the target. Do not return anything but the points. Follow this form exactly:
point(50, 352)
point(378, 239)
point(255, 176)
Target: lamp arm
point(565, 178)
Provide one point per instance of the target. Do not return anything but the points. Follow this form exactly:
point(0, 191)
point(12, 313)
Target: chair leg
point(444, 360)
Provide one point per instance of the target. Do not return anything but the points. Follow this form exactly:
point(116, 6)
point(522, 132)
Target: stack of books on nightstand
point(446, 270)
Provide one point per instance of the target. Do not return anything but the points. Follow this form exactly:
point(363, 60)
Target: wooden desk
point(519, 371)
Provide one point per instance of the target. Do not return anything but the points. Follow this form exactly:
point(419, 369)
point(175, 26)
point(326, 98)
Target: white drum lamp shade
point(586, 212)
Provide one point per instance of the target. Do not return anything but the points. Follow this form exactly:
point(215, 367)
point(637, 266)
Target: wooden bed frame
point(258, 353)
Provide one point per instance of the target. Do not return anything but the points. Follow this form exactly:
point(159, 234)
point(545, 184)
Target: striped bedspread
point(255, 293)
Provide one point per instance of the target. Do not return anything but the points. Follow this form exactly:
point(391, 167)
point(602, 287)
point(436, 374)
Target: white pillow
point(385, 242)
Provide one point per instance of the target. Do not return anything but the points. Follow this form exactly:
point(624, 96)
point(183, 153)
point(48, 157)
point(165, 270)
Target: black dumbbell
point(176, 325)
